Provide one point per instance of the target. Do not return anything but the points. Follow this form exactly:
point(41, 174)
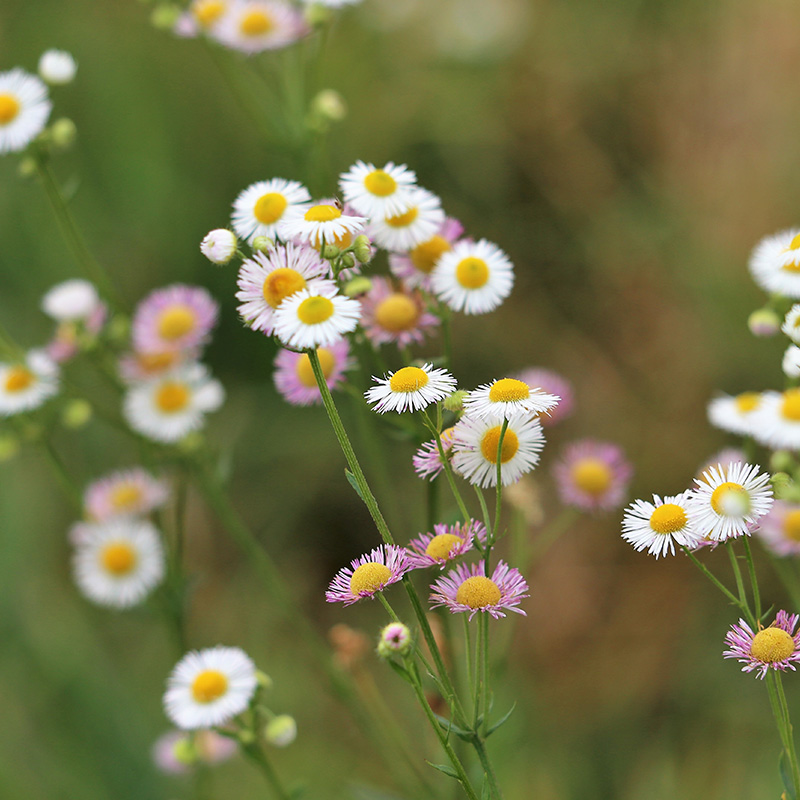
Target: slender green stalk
point(480, 678)
point(487, 522)
point(486, 673)
point(499, 492)
point(494, 787)
point(546, 538)
point(787, 572)
point(753, 579)
point(389, 610)
point(791, 752)
point(177, 581)
point(447, 337)
point(469, 656)
point(448, 469)
point(59, 469)
point(737, 572)
point(257, 755)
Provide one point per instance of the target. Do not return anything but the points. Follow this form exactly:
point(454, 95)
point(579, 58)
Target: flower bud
point(395, 640)
point(264, 680)
point(9, 447)
point(57, 67)
point(219, 246)
point(330, 251)
point(281, 731)
point(362, 249)
point(764, 322)
point(63, 133)
point(76, 413)
point(165, 16)
point(455, 402)
point(317, 15)
point(27, 167)
point(184, 751)
point(348, 261)
point(262, 244)
point(781, 461)
point(329, 105)
point(359, 285)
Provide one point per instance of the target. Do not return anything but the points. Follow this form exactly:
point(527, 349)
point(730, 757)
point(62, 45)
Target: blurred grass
point(627, 155)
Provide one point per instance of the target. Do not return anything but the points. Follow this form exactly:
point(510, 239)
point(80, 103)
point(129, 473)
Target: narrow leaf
point(351, 479)
point(446, 768)
point(501, 721)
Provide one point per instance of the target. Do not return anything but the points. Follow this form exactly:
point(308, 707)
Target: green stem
point(446, 466)
point(389, 610)
point(468, 652)
point(483, 756)
point(487, 523)
point(71, 491)
point(479, 677)
point(753, 579)
point(788, 575)
point(791, 751)
point(447, 337)
point(737, 572)
point(256, 754)
point(551, 534)
point(498, 498)
point(485, 670)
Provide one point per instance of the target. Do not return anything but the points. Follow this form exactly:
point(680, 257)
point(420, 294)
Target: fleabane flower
point(728, 500)
point(658, 526)
point(552, 383)
point(775, 263)
point(177, 752)
point(259, 209)
point(444, 544)
point(177, 317)
point(776, 647)
point(315, 317)
point(473, 277)
point(415, 266)
point(467, 589)
point(779, 530)
point(129, 492)
point(27, 384)
point(24, 109)
point(791, 361)
point(168, 408)
point(416, 223)
point(219, 246)
point(776, 421)
point(394, 315)
point(207, 688)
point(202, 16)
point(791, 323)
point(368, 575)
point(427, 461)
point(377, 192)
point(592, 475)
point(508, 398)
point(135, 367)
point(252, 26)
point(57, 67)
point(734, 414)
point(294, 378)
point(71, 301)
point(724, 458)
point(410, 389)
point(119, 562)
point(267, 279)
point(319, 223)
point(475, 446)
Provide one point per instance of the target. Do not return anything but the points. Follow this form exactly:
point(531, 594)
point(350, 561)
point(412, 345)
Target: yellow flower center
point(440, 546)
point(771, 645)
point(314, 310)
point(447, 436)
point(118, 558)
point(269, 208)
point(155, 362)
point(730, 499)
point(591, 475)
point(256, 23)
point(408, 379)
point(9, 108)
point(18, 379)
point(478, 592)
point(208, 12)
point(668, 518)
point(795, 244)
point(403, 220)
point(380, 183)
point(490, 441)
point(343, 241)
point(507, 390)
point(176, 321)
point(280, 283)
point(322, 214)
point(172, 397)
point(396, 313)
point(126, 495)
point(747, 402)
point(791, 525)
point(472, 273)
point(303, 369)
point(790, 408)
point(369, 577)
point(424, 256)
point(209, 685)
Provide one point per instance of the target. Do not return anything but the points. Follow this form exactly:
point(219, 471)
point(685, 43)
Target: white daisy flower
point(508, 398)
point(252, 26)
point(173, 405)
point(791, 362)
point(57, 67)
point(320, 223)
point(473, 277)
point(207, 688)
point(419, 221)
point(219, 246)
point(124, 493)
point(202, 16)
point(71, 300)
point(775, 263)
point(24, 109)
point(25, 386)
point(410, 389)
point(119, 562)
point(475, 445)
point(377, 192)
point(734, 414)
point(728, 500)
point(791, 324)
point(260, 207)
point(315, 317)
point(658, 526)
point(776, 421)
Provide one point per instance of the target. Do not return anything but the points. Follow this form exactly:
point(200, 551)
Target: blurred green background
point(626, 155)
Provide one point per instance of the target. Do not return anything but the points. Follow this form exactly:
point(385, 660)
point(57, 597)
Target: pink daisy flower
point(252, 26)
point(444, 544)
point(266, 280)
point(725, 457)
point(427, 463)
point(468, 589)
point(369, 574)
point(593, 476)
point(394, 315)
point(775, 647)
point(295, 380)
point(137, 367)
point(552, 383)
point(177, 752)
point(129, 492)
point(178, 317)
point(780, 529)
point(415, 267)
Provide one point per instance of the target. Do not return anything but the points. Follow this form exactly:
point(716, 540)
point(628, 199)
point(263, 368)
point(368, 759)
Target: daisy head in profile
point(410, 389)
point(368, 575)
point(776, 647)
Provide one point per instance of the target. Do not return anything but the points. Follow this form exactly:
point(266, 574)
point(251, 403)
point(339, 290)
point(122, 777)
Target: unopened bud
point(395, 640)
point(348, 261)
point(317, 15)
point(63, 133)
point(781, 461)
point(184, 751)
point(264, 680)
point(362, 249)
point(262, 244)
point(358, 286)
point(9, 447)
point(57, 67)
point(245, 737)
point(219, 246)
point(455, 402)
point(76, 413)
point(27, 167)
point(764, 322)
point(281, 731)
point(329, 105)
point(165, 16)
point(330, 251)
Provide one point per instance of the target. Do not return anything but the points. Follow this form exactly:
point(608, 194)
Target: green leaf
point(449, 726)
point(501, 721)
point(446, 768)
point(401, 671)
point(786, 776)
point(351, 479)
